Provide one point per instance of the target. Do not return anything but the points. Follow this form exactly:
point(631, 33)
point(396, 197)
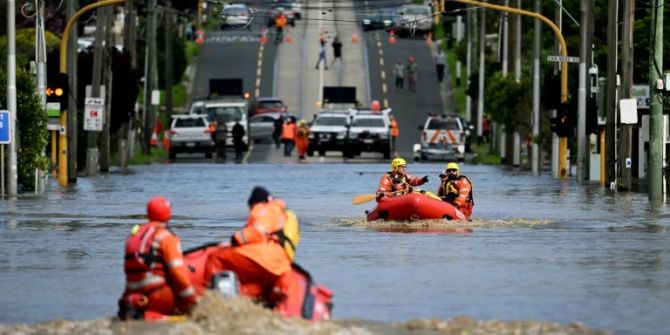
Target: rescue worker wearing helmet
point(157, 282)
point(302, 138)
point(258, 254)
point(456, 188)
point(397, 182)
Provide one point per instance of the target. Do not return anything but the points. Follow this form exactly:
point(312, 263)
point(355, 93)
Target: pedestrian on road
point(440, 61)
point(337, 50)
point(238, 140)
point(288, 135)
point(412, 69)
point(322, 54)
point(302, 139)
point(276, 133)
point(399, 72)
point(395, 131)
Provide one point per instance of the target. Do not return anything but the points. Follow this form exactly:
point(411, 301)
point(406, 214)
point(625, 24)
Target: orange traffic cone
point(264, 38)
point(429, 39)
point(288, 38)
point(154, 139)
point(392, 37)
point(200, 39)
point(166, 140)
point(354, 37)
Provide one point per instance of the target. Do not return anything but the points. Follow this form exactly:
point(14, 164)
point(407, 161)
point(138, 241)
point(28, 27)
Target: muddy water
point(569, 257)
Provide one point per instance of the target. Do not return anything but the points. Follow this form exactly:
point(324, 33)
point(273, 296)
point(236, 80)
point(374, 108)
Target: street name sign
point(94, 112)
point(4, 127)
point(568, 59)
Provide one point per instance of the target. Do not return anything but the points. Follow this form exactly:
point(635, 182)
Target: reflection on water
point(536, 249)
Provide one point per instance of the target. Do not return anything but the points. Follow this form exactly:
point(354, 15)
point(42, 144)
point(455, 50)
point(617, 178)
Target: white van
point(228, 111)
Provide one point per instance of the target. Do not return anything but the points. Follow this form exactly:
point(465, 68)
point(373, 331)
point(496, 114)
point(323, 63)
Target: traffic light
point(57, 89)
point(564, 122)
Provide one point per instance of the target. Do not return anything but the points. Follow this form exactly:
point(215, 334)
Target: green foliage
point(507, 102)
point(25, 46)
point(31, 128)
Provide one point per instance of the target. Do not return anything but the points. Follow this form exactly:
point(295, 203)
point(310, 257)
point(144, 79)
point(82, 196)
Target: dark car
point(267, 105)
point(276, 9)
point(382, 18)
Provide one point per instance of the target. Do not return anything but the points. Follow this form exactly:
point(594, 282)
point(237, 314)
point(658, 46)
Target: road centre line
point(258, 82)
point(381, 62)
point(384, 88)
point(383, 75)
point(386, 103)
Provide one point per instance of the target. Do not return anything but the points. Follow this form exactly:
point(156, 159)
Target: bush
point(31, 128)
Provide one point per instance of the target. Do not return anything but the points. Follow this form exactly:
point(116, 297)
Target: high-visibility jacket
point(258, 239)
point(394, 128)
point(459, 192)
point(280, 21)
point(289, 131)
point(153, 259)
point(395, 184)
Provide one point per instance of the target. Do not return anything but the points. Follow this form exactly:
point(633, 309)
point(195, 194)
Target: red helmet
point(410, 59)
point(159, 209)
point(375, 106)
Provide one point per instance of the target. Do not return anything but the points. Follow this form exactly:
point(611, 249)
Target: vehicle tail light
point(171, 133)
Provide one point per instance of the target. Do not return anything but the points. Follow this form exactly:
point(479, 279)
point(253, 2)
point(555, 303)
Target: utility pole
point(516, 155)
point(92, 152)
point(480, 90)
point(12, 185)
point(107, 78)
point(149, 75)
point(126, 143)
point(502, 130)
point(610, 100)
point(656, 135)
point(71, 121)
point(536, 90)
point(168, 58)
point(468, 63)
point(626, 139)
point(581, 94)
point(41, 60)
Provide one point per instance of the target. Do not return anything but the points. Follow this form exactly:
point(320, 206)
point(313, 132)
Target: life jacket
point(289, 235)
point(143, 266)
point(303, 132)
point(398, 182)
point(450, 191)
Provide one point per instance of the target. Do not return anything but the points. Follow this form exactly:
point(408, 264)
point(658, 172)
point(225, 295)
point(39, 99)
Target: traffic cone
point(392, 37)
point(288, 38)
point(200, 39)
point(154, 139)
point(166, 140)
point(354, 37)
point(264, 38)
point(429, 39)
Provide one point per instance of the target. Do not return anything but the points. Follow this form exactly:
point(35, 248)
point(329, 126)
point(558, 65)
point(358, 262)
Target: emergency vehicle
point(442, 138)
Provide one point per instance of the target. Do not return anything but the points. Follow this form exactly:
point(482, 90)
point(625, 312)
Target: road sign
point(4, 127)
point(94, 113)
point(568, 59)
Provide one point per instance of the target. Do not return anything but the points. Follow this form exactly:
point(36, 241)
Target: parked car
point(189, 133)
point(442, 137)
point(236, 16)
point(198, 107)
point(274, 11)
point(263, 125)
point(369, 132)
point(415, 18)
point(328, 131)
point(267, 105)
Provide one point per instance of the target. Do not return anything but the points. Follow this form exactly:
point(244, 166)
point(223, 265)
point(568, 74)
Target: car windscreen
point(229, 114)
point(189, 123)
point(450, 124)
point(372, 123)
point(331, 121)
point(234, 11)
point(270, 104)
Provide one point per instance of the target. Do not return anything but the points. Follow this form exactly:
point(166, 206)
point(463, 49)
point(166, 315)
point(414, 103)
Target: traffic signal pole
point(563, 143)
point(62, 140)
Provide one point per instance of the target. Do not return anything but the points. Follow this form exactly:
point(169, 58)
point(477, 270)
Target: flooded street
point(539, 248)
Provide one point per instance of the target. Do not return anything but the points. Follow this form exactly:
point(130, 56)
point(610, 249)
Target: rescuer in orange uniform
point(302, 138)
point(280, 23)
point(257, 256)
point(397, 182)
point(456, 189)
point(157, 282)
point(288, 134)
point(395, 131)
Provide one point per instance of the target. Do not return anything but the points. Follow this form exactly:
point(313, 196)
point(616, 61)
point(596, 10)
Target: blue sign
point(4, 127)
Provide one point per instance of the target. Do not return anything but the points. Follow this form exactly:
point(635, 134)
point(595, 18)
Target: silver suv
point(328, 132)
point(369, 132)
point(190, 134)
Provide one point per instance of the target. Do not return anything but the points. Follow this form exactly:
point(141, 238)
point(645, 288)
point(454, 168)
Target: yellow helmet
point(302, 122)
point(453, 166)
point(396, 163)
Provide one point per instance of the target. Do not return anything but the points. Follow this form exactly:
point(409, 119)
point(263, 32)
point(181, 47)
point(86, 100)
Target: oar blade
point(362, 198)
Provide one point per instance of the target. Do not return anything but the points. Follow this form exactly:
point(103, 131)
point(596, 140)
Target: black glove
point(410, 190)
point(233, 241)
point(425, 179)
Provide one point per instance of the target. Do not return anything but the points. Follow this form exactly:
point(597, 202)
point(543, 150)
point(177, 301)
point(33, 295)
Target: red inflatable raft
point(414, 206)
